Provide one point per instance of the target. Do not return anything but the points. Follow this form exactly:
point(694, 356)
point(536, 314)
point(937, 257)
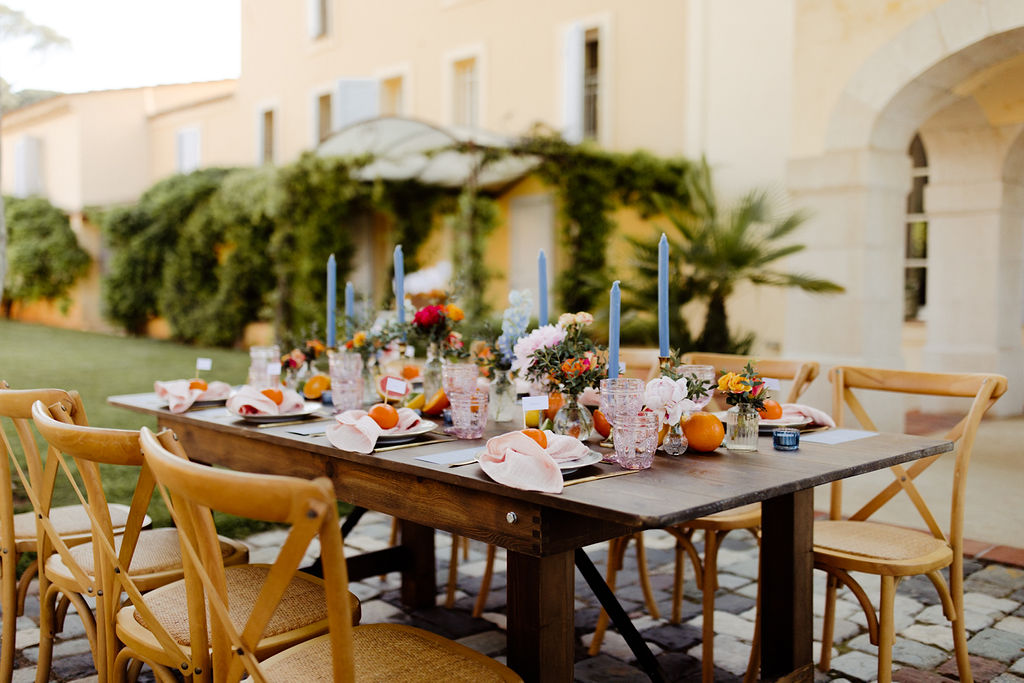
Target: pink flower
point(542, 337)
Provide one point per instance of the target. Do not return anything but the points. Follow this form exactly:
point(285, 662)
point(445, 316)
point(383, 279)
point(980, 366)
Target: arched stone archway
point(856, 188)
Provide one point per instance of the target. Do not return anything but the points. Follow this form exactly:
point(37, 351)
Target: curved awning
point(407, 149)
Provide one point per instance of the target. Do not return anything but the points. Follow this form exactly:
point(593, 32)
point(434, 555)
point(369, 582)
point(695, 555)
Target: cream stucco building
point(822, 100)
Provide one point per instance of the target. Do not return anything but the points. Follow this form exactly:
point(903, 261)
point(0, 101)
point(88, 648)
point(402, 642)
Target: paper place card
point(395, 386)
point(204, 364)
point(535, 402)
point(622, 367)
point(834, 436)
point(274, 369)
point(448, 457)
point(772, 383)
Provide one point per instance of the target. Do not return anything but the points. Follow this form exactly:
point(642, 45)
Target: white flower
point(667, 397)
point(542, 337)
point(566, 319)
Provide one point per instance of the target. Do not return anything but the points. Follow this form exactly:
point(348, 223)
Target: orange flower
point(454, 313)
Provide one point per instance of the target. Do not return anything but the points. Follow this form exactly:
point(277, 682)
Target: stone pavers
point(923, 652)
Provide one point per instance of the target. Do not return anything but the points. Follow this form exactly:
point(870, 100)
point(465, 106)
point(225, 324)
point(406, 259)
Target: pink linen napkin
point(818, 417)
point(516, 460)
point(180, 398)
point(356, 431)
point(563, 448)
point(590, 397)
point(250, 401)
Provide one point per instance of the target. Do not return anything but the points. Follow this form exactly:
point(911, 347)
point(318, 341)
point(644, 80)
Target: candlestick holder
point(664, 362)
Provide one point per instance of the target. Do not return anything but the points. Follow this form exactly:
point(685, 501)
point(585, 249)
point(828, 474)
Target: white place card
point(448, 457)
point(622, 367)
point(772, 383)
point(834, 436)
point(395, 386)
point(535, 402)
point(274, 369)
point(204, 364)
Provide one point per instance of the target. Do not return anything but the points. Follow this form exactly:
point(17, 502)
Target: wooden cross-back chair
point(147, 558)
point(236, 640)
point(38, 530)
point(800, 374)
point(858, 544)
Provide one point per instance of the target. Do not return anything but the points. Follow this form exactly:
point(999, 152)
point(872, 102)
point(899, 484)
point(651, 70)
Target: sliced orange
point(384, 415)
point(538, 436)
point(601, 424)
point(316, 386)
point(274, 395)
point(437, 403)
point(199, 384)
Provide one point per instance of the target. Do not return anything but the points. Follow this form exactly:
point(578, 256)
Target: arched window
point(915, 294)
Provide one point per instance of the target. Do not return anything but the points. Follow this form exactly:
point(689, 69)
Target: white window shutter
point(358, 100)
point(313, 23)
point(188, 146)
point(572, 83)
point(28, 171)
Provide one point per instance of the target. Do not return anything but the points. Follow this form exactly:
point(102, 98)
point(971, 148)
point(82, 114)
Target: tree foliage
point(44, 255)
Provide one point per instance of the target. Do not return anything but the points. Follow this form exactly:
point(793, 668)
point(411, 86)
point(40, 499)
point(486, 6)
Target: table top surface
point(674, 490)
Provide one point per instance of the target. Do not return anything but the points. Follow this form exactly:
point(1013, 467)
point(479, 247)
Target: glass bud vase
point(503, 397)
point(675, 442)
point(741, 428)
point(432, 371)
point(573, 419)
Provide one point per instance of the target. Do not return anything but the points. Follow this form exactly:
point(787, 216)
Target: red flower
point(428, 316)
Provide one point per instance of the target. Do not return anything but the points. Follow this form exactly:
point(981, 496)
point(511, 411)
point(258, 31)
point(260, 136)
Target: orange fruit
point(410, 372)
point(316, 386)
point(384, 415)
point(772, 410)
point(601, 424)
point(274, 395)
point(437, 403)
point(704, 431)
point(198, 384)
point(555, 401)
point(538, 436)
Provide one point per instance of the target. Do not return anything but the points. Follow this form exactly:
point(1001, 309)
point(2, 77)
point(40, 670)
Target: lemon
point(532, 418)
point(416, 401)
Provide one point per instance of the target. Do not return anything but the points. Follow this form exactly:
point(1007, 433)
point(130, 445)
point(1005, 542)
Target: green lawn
point(97, 365)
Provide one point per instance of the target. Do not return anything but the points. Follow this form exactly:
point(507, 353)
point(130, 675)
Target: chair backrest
point(799, 373)
point(983, 390)
point(309, 507)
point(642, 363)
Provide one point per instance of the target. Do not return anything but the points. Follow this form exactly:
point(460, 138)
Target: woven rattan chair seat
point(386, 653)
point(70, 520)
point(875, 541)
point(742, 517)
point(303, 603)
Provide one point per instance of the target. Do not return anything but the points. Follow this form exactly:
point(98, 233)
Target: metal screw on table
point(511, 518)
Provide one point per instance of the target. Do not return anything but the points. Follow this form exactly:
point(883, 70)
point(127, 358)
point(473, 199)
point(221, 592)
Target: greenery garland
point(43, 255)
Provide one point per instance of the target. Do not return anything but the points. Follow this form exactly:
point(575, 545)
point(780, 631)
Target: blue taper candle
point(400, 283)
point(332, 303)
point(350, 305)
point(542, 285)
point(663, 296)
point(613, 331)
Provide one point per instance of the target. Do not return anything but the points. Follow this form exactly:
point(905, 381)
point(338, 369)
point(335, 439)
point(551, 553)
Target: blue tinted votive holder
point(786, 439)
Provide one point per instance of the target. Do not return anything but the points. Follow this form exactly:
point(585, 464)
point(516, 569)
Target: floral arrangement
point(561, 355)
point(434, 324)
point(374, 339)
point(498, 353)
point(299, 356)
point(743, 388)
point(673, 394)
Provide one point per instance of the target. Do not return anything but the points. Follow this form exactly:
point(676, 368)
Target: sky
point(125, 44)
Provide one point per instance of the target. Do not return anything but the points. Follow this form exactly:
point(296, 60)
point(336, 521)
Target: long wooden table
point(542, 531)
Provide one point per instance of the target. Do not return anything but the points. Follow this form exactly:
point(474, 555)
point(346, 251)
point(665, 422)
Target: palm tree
point(714, 251)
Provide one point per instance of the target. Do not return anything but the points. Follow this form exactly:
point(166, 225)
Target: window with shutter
point(572, 83)
point(358, 100)
point(28, 166)
point(188, 148)
point(317, 18)
point(465, 92)
point(265, 153)
point(392, 96)
point(323, 117)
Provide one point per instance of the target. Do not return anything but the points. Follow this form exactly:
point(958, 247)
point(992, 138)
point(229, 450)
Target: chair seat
point(301, 614)
point(70, 521)
point(743, 517)
point(878, 548)
point(156, 553)
point(388, 653)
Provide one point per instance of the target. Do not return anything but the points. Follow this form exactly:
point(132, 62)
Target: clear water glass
point(459, 378)
point(469, 414)
point(636, 439)
point(259, 358)
point(620, 395)
point(347, 394)
point(702, 372)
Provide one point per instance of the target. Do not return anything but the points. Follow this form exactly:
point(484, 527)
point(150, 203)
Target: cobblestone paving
point(923, 652)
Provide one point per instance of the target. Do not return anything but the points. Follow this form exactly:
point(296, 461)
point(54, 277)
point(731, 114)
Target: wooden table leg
point(540, 616)
point(419, 576)
point(787, 561)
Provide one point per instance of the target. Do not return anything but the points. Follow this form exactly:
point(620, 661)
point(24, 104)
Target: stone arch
point(856, 189)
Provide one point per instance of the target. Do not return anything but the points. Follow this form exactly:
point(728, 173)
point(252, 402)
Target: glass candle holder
point(786, 439)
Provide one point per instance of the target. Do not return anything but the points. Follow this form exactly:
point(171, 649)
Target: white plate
point(570, 466)
point(424, 427)
point(766, 426)
point(306, 411)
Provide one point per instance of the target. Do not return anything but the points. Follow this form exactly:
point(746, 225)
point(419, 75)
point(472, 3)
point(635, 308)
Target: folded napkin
point(818, 417)
point(250, 401)
point(590, 397)
point(516, 460)
point(180, 398)
point(563, 448)
point(356, 431)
